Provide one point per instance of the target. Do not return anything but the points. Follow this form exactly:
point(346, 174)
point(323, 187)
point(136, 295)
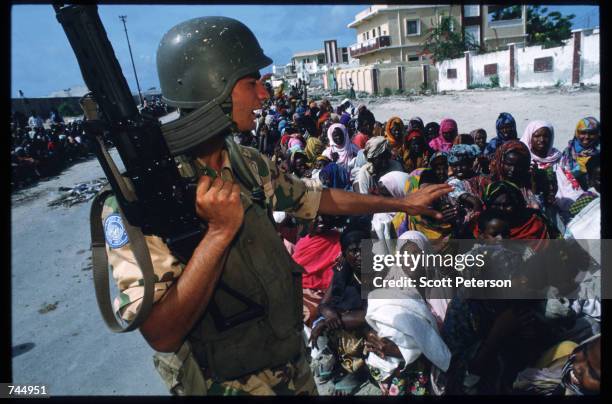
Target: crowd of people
point(38, 151)
point(508, 187)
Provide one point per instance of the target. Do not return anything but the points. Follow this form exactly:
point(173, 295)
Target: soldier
point(229, 321)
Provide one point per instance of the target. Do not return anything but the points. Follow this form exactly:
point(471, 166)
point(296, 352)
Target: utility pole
point(122, 18)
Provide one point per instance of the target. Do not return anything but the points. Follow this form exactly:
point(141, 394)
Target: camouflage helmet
point(200, 60)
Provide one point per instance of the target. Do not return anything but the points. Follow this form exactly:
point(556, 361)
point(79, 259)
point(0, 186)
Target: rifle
point(152, 195)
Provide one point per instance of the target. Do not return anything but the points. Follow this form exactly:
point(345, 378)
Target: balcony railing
point(370, 45)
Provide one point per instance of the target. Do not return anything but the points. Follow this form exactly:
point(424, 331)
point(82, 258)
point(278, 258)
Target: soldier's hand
point(419, 202)
point(218, 203)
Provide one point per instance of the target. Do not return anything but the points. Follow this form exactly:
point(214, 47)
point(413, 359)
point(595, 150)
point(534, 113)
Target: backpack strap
point(100, 266)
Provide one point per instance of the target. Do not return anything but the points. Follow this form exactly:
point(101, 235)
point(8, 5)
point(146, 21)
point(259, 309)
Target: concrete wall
point(590, 57)
point(562, 66)
point(586, 63)
point(387, 77)
point(446, 84)
point(478, 62)
point(362, 78)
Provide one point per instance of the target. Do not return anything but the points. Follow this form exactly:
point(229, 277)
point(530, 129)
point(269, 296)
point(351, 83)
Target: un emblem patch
point(114, 231)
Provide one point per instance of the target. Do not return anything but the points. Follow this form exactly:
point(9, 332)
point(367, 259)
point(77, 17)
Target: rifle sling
point(100, 266)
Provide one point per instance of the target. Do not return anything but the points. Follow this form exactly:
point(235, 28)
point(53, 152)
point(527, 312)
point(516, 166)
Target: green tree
point(69, 109)
point(443, 41)
point(548, 29)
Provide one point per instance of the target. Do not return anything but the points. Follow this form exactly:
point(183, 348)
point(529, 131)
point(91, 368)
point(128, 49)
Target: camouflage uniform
point(283, 192)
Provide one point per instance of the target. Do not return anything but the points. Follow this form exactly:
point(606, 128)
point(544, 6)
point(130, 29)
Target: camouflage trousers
point(184, 377)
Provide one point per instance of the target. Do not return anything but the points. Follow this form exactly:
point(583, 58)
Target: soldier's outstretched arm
point(338, 202)
point(171, 318)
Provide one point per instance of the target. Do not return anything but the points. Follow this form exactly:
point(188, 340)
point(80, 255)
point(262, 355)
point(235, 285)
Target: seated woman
point(448, 132)
point(317, 253)
point(340, 150)
point(511, 163)
point(406, 351)
point(435, 230)
point(584, 144)
point(342, 320)
point(394, 133)
point(539, 137)
point(416, 152)
point(378, 154)
point(526, 223)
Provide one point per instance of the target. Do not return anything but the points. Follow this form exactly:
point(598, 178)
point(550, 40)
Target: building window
point(472, 34)
point(413, 27)
point(413, 58)
point(471, 10)
point(504, 13)
point(363, 36)
point(541, 65)
point(373, 33)
point(490, 69)
point(451, 73)
point(378, 31)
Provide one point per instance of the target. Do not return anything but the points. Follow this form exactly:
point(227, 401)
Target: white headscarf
point(345, 151)
point(552, 155)
point(416, 237)
point(395, 182)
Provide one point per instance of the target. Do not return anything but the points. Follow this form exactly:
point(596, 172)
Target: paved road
point(59, 337)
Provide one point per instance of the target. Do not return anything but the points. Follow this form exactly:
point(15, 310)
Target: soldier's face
point(248, 95)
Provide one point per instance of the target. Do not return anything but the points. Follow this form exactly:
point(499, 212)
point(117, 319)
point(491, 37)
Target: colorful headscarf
point(509, 146)
point(395, 143)
point(575, 155)
point(420, 161)
point(503, 119)
point(534, 228)
point(314, 147)
point(439, 143)
point(460, 152)
point(552, 155)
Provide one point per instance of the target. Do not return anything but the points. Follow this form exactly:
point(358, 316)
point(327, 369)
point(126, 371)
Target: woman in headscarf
point(439, 230)
point(405, 347)
point(314, 148)
point(539, 137)
point(583, 145)
point(340, 149)
point(431, 131)
point(393, 184)
point(334, 176)
point(506, 130)
point(378, 154)
point(446, 135)
point(415, 123)
point(343, 312)
point(511, 163)
point(394, 132)
point(317, 253)
point(416, 152)
point(526, 224)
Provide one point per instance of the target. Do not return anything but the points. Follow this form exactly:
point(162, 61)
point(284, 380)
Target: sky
point(42, 61)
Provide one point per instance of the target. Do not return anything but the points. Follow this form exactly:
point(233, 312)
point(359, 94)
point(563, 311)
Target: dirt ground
point(58, 336)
